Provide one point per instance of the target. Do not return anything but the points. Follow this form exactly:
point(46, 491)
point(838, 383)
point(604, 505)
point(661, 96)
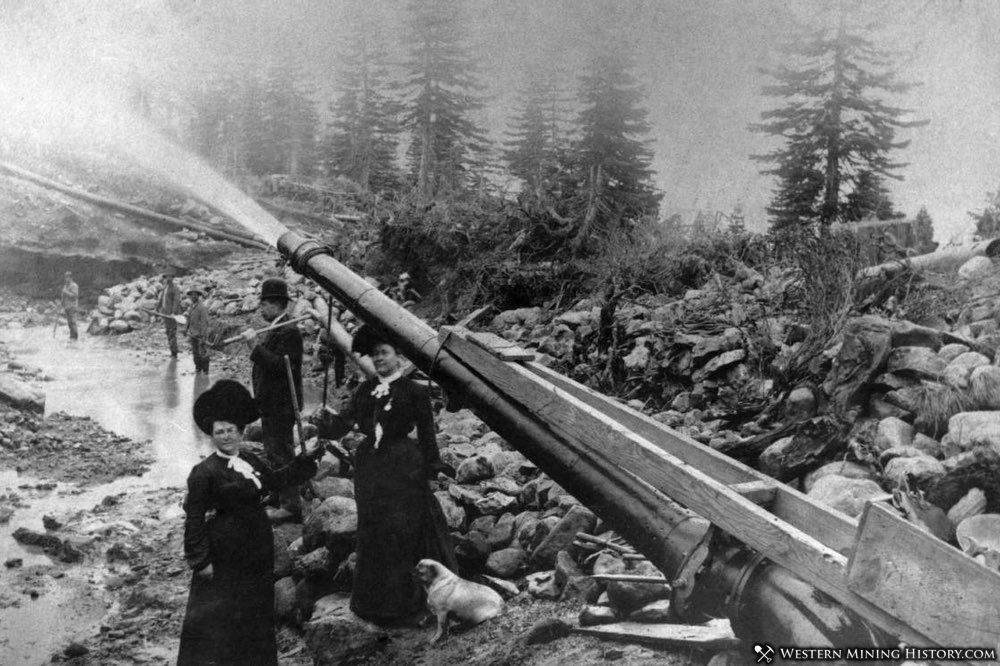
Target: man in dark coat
point(274, 398)
point(170, 304)
point(198, 330)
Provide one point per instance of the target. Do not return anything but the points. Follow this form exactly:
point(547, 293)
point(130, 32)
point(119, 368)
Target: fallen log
point(112, 204)
point(939, 259)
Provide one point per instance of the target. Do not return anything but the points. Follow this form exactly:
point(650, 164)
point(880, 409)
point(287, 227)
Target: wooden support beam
point(831, 527)
point(934, 587)
point(503, 349)
point(600, 436)
point(627, 578)
point(759, 492)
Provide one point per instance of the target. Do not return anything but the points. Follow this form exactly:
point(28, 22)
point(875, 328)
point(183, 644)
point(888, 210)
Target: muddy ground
point(129, 588)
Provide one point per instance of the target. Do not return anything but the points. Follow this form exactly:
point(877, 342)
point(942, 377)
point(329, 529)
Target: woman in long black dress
point(399, 520)
point(227, 538)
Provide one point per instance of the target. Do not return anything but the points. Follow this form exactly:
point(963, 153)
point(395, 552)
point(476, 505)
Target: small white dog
point(448, 594)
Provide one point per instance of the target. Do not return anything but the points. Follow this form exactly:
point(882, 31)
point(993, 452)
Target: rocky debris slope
point(894, 410)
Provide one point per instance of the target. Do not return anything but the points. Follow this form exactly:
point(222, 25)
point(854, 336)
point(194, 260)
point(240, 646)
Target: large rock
point(594, 615)
point(923, 469)
point(284, 535)
point(908, 334)
point(975, 268)
point(284, 598)
point(333, 486)
point(952, 351)
point(655, 612)
point(496, 503)
point(454, 515)
point(531, 533)
point(336, 636)
point(507, 563)
point(771, 458)
point(17, 394)
point(844, 468)
point(958, 371)
point(967, 430)
point(333, 524)
point(844, 494)
point(984, 386)
point(865, 348)
point(542, 584)
point(502, 532)
point(577, 519)
point(800, 404)
point(474, 469)
point(627, 597)
point(892, 432)
point(919, 362)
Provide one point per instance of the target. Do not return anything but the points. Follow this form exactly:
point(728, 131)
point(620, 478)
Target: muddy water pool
point(146, 397)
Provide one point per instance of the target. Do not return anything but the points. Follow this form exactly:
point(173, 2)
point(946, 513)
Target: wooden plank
point(629, 578)
point(831, 527)
point(576, 424)
point(499, 347)
point(932, 586)
point(759, 492)
point(716, 635)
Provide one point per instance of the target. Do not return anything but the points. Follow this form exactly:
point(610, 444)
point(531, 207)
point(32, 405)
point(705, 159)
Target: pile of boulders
point(230, 292)
point(513, 528)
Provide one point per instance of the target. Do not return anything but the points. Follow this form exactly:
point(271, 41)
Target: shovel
point(288, 322)
point(180, 319)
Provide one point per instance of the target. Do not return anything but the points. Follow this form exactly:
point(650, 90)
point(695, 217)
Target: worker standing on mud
point(277, 402)
point(197, 330)
point(70, 298)
point(170, 305)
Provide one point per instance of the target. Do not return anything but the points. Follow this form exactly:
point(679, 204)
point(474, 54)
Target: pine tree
point(442, 93)
point(870, 198)
point(923, 232)
point(835, 125)
point(283, 134)
point(613, 157)
point(535, 149)
point(364, 134)
point(988, 221)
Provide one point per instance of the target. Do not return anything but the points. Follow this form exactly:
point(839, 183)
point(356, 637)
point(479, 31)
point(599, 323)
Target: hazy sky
point(698, 59)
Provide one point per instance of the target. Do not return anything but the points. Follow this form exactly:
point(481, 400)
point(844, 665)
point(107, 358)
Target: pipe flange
point(734, 600)
point(306, 251)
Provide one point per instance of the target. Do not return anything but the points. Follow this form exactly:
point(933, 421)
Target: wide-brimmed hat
point(365, 339)
point(195, 290)
point(227, 400)
point(274, 289)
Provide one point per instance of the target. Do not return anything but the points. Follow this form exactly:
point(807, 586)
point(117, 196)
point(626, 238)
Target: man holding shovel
point(278, 402)
point(170, 305)
point(198, 330)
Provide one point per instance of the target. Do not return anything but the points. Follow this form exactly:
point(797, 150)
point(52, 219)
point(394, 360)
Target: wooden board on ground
point(894, 564)
point(715, 635)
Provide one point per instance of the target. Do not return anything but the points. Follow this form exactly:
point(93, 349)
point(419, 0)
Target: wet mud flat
point(104, 475)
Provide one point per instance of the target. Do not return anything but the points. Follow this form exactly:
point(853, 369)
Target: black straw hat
point(365, 339)
point(226, 400)
point(274, 289)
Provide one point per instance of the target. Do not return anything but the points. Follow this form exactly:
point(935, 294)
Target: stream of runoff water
point(142, 397)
